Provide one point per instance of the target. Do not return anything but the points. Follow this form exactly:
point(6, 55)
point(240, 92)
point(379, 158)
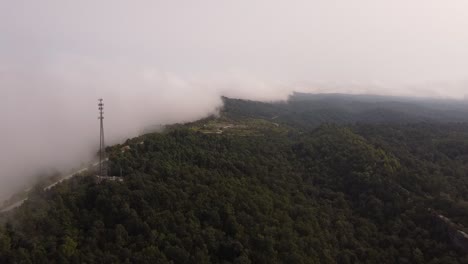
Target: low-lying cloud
point(49, 116)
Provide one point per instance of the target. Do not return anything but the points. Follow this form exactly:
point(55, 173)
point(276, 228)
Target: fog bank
point(49, 117)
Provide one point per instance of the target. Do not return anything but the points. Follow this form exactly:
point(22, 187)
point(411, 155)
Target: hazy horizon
point(157, 62)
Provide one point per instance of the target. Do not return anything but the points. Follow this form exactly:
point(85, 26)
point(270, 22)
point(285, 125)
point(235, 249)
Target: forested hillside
point(298, 182)
point(308, 111)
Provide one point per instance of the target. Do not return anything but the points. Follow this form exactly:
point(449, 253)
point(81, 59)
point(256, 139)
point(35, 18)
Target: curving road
point(69, 176)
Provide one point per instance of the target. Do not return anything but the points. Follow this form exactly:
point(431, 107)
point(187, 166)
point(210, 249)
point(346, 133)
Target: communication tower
point(102, 147)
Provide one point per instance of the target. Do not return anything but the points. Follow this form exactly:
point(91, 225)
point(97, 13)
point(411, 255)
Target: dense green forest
point(303, 181)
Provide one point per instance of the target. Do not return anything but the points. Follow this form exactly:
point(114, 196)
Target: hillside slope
point(257, 189)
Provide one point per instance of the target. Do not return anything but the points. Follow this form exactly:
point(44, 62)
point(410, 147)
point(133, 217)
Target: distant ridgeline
point(317, 179)
point(311, 110)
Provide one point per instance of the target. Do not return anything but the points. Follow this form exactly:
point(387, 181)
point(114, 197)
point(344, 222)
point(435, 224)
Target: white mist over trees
point(157, 62)
point(50, 120)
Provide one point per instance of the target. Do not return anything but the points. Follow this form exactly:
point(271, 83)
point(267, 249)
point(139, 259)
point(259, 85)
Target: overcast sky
point(359, 42)
point(169, 61)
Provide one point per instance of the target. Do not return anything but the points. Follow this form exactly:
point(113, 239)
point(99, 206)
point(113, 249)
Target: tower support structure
point(102, 146)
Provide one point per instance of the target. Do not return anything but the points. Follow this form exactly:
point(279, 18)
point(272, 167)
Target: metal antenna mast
point(102, 150)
